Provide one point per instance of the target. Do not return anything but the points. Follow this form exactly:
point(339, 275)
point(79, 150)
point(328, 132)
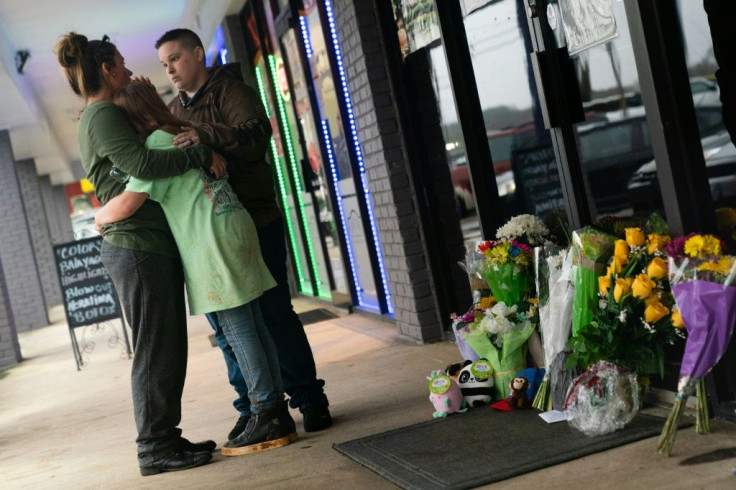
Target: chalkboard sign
point(88, 293)
point(537, 181)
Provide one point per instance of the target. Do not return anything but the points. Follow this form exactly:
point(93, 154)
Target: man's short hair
point(188, 39)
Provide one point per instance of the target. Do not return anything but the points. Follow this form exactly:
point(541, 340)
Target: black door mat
point(482, 446)
point(317, 315)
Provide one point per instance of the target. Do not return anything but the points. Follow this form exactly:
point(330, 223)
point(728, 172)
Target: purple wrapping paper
point(708, 310)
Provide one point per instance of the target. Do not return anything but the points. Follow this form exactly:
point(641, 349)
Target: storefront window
point(455, 146)
point(718, 149)
point(522, 154)
point(613, 142)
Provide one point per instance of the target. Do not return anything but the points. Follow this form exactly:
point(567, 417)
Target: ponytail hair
point(81, 61)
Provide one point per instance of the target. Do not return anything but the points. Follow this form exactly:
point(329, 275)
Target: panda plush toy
point(476, 382)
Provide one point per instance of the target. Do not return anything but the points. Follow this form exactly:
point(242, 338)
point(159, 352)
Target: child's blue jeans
point(255, 351)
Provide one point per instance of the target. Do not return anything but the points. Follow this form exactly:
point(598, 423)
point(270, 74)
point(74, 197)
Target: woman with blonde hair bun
point(139, 253)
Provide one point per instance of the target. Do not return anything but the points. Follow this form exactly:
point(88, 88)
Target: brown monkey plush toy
point(517, 395)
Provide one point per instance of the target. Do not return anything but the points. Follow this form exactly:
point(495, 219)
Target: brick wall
point(16, 249)
point(9, 348)
point(57, 211)
point(39, 231)
point(394, 199)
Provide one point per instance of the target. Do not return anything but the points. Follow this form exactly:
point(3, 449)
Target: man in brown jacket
point(227, 115)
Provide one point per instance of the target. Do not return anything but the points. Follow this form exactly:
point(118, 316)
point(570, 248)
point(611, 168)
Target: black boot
point(239, 427)
point(265, 430)
point(176, 461)
point(197, 447)
point(287, 422)
point(316, 417)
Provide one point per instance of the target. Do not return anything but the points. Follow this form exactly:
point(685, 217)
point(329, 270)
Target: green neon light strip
point(296, 176)
point(304, 283)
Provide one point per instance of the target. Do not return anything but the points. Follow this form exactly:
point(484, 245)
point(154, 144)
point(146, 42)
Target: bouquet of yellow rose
point(704, 286)
point(634, 319)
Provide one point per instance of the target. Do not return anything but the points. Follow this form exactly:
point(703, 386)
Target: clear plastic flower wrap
point(553, 272)
point(473, 265)
point(460, 328)
point(602, 400)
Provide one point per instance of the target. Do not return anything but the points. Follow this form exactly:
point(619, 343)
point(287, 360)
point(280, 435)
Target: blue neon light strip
point(359, 154)
point(335, 174)
point(305, 36)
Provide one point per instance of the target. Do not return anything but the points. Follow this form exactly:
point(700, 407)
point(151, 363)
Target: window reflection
point(455, 146)
point(719, 152)
point(520, 146)
point(718, 148)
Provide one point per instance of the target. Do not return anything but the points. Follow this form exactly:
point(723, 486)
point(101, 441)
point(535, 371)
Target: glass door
point(521, 149)
point(600, 130)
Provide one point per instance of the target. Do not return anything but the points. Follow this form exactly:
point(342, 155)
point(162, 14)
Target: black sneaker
point(266, 430)
point(239, 427)
point(176, 461)
point(316, 417)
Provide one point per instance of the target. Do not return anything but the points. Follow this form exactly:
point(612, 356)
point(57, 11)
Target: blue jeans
point(294, 353)
point(255, 352)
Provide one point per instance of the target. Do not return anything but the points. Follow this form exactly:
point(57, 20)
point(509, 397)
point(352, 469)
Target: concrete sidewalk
point(62, 428)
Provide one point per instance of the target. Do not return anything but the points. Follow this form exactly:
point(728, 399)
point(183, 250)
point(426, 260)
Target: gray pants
point(151, 290)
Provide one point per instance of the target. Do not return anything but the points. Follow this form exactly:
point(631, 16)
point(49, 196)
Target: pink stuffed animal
point(445, 394)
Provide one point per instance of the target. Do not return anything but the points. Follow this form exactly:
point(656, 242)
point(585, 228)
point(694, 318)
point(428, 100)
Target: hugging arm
point(117, 140)
point(119, 208)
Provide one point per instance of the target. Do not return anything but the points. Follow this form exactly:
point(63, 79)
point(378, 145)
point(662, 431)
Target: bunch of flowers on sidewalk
point(461, 325)
point(509, 258)
point(635, 318)
point(499, 333)
point(602, 399)
point(703, 283)
point(553, 272)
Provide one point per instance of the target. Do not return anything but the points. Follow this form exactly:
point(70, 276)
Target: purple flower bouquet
point(702, 281)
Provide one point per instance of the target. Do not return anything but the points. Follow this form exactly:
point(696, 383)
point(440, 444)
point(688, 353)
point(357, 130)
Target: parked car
point(610, 151)
point(612, 146)
point(501, 144)
point(720, 162)
point(613, 150)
